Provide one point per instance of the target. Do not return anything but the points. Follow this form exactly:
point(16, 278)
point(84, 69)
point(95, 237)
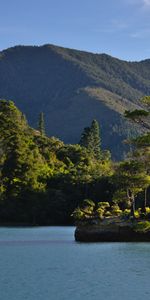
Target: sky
point(120, 28)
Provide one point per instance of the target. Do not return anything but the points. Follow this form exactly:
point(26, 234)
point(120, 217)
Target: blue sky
point(120, 28)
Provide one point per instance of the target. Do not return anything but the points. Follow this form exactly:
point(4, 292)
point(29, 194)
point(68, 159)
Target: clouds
point(139, 3)
point(146, 2)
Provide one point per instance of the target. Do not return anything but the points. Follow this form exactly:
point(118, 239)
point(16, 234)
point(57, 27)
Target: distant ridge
point(72, 88)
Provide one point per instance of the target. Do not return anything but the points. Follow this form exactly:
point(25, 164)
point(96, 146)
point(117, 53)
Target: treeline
point(43, 181)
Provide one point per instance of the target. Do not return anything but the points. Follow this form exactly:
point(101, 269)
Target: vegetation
point(90, 139)
point(44, 181)
point(142, 226)
point(74, 87)
point(131, 179)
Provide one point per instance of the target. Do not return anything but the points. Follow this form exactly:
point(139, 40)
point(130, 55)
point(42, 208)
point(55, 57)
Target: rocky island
point(113, 230)
point(110, 224)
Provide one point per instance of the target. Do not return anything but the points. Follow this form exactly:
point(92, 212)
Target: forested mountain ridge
point(72, 88)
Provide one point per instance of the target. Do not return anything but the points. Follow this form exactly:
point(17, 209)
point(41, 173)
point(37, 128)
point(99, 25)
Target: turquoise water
point(46, 264)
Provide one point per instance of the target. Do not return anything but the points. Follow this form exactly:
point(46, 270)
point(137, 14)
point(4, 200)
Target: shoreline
point(111, 232)
point(22, 225)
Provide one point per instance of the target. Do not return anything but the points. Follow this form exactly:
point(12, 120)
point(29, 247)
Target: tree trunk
point(145, 199)
point(145, 202)
point(131, 197)
point(133, 206)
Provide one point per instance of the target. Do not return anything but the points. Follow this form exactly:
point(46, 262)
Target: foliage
point(90, 139)
point(131, 177)
point(142, 226)
point(134, 115)
point(23, 166)
point(102, 209)
point(78, 214)
point(126, 214)
point(115, 209)
point(44, 181)
point(146, 100)
point(103, 205)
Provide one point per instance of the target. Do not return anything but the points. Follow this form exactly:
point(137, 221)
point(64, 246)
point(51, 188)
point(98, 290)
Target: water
point(46, 264)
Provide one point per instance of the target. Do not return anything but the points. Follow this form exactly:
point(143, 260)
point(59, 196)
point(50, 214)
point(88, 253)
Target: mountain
point(72, 88)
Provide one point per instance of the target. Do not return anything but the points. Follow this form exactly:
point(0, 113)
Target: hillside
point(73, 87)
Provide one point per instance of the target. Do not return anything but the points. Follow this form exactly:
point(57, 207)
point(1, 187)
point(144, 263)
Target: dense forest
point(45, 182)
point(74, 87)
point(42, 180)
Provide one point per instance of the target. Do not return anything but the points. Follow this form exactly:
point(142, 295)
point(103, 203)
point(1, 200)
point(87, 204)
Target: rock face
point(111, 233)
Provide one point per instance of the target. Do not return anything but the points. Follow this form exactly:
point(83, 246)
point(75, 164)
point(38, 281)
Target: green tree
point(140, 116)
point(142, 143)
point(131, 176)
point(87, 139)
point(41, 125)
point(42, 180)
point(95, 132)
point(22, 165)
point(90, 139)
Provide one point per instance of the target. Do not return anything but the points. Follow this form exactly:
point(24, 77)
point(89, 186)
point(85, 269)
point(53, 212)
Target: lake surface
point(45, 263)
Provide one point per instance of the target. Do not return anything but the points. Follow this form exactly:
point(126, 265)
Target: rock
point(112, 232)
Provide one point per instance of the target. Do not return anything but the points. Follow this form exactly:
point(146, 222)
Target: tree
point(42, 180)
point(142, 143)
point(22, 163)
point(90, 139)
point(140, 116)
point(142, 155)
point(87, 139)
point(131, 177)
point(96, 139)
point(41, 125)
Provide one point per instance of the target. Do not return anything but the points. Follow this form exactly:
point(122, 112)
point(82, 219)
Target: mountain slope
point(73, 87)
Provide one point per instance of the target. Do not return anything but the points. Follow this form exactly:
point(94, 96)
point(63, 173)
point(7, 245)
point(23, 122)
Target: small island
point(126, 215)
point(110, 224)
point(113, 231)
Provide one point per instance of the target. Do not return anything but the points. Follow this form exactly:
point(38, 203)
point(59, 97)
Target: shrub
point(88, 202)
point(147, 210)
point(125, 213)
point(137, 213)
point(78, 214)
point(142, 226)
point(100, 212)
point(102, 209)
point(116, 210)
point(103, 205)
point(107, 213)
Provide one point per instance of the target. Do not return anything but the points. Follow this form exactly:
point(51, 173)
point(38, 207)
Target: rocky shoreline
point(113, 232)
